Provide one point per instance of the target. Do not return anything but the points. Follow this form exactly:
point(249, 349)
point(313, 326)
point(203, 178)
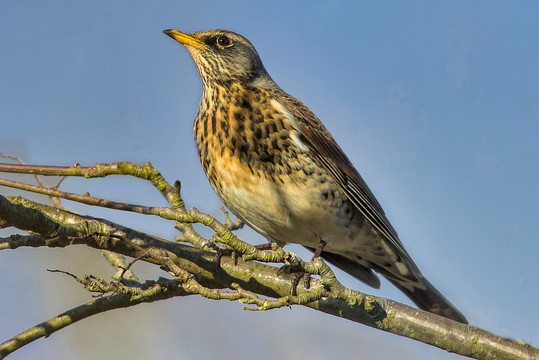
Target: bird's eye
point(224, 41)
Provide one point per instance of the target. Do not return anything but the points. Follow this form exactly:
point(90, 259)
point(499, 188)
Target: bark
point(223, 267)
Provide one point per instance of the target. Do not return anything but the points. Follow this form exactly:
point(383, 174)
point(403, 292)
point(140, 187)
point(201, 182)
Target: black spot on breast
point(240, 127)
point(213, 122)
point(308, 170)
point(246, 105)
point(243, 148)
point(258, 133)
point(266, 157)
point(285, 144)
point(292, 154)
point(279, 123)
point(224, 127)
point(239, 116)
point(278, 159)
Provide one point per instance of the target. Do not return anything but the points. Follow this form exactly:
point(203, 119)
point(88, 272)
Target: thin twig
point(87, 199)
point(123, 270)
point(160, 290)
point(195, 273)
point(146, 172)
point(56, 201)
point(231, 225)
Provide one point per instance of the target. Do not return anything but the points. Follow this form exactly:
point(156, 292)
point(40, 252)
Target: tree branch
point(149, 292)
point(198, 271)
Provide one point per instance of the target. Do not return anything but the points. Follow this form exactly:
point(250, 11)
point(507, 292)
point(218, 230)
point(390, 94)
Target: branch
point(249, 279)
point(197, 271)
point(146, 172)
point(149, 292)
point(54, 199)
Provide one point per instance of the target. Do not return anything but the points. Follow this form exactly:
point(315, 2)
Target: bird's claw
point(295, 282)
point(220, 252)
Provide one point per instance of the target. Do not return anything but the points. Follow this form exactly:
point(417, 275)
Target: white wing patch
point(295, 134)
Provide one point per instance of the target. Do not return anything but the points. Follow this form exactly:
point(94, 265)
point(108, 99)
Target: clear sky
point(435, 102)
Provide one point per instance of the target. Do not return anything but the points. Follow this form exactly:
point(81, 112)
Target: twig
point(260, 279)
point(146, 172)
point(153, 291)
point(123, 270)
point(231, 225)
point(56, 201)
point(195, 269)
point(177, 213)
point(90, 200)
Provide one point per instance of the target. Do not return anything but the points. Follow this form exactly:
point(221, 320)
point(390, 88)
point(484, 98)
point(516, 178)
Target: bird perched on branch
point(275, 166)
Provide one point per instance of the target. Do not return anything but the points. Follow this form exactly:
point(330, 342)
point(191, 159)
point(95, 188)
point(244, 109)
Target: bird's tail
point(431, 300)
point(421, 291)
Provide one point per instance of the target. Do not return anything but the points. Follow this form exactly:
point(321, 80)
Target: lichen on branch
point(196, 265)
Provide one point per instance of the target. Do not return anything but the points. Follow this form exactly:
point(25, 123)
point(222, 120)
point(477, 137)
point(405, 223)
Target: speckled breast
point(248, 152)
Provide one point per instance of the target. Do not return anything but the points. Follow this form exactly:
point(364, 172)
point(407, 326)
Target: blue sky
point(435, 102)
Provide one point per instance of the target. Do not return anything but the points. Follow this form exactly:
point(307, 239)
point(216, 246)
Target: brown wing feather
point(324, 147)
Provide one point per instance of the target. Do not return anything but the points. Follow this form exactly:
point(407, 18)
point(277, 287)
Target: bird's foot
point(295, 282)
point(293, 264)
point(307, 281)
point(296, 277)
point(220, 252)
point(316, 255)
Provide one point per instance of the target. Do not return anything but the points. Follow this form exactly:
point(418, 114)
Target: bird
point(274, 164)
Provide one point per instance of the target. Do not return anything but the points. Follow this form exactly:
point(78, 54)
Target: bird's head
point(222, 56)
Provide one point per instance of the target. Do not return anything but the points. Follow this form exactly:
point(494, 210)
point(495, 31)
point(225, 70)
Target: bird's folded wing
point(324, 148)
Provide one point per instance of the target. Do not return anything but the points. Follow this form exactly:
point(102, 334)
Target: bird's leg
point(266, 246)
point(316, 254)
point(319, 249)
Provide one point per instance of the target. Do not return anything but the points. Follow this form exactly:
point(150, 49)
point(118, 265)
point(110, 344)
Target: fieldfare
point(276, 167)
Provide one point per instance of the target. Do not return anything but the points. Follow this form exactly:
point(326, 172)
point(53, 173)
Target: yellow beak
point(185, 38)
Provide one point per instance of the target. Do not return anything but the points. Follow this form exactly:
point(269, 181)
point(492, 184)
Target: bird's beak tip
point(185, 38)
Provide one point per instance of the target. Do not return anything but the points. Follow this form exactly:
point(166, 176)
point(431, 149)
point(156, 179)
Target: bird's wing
point(324, 147)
